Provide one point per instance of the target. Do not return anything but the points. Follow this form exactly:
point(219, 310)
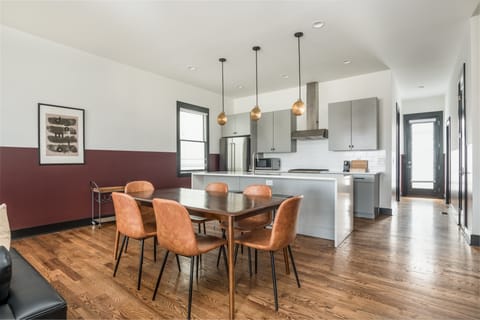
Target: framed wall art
point(61, 135)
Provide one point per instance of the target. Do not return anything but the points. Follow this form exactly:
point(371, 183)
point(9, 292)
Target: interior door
point(462, 153)
point(423, 174)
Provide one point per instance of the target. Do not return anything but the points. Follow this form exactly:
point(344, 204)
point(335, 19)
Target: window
point(192, 138)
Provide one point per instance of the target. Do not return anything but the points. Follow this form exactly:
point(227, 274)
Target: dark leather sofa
point(30, 295)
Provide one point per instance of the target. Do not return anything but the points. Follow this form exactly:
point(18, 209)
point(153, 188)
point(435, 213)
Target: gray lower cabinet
point(353, 125)
point(274, 132)
point(237, 125)
point(366, 196)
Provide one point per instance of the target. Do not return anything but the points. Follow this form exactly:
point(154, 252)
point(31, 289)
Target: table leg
point(231, 266)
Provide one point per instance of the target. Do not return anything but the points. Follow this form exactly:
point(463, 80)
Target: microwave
point(267, 163)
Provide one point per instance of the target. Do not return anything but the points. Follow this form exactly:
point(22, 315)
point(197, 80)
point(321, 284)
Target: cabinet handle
point(234, 132)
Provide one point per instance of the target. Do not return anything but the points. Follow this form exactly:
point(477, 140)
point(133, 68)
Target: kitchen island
point(327, 207)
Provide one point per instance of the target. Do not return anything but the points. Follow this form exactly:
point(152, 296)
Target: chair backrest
point(284, 228)
point(128, 216)
point(4, 227)
point(174, 228)
point(138, 186)
point(217, 187)
point(260, 190)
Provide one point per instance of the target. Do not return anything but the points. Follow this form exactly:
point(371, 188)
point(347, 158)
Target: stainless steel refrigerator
point(235, 154)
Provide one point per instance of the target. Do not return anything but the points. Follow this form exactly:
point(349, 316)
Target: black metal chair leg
point(293, 264)
point(140, 265)
point(250, 261)
point(204, 228)
point(220, 252)
point(178, 263)
point(190, 291)
point(198, 259)
point(120, 255)
point(126, 245)
point(160, 275)
point(236, 253)
point(222, 248)
point(274, 279)
point(256, 258)
point(199, 228)
point(154, 249)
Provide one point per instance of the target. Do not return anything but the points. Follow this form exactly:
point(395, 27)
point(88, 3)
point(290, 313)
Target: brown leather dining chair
point(211, 187)
point(175, 233)
point(281, 235)
point(258, 221)
point(131, 225)
point(148, 215)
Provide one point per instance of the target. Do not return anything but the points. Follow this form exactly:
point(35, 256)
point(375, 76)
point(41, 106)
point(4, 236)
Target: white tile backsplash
point(315, 154)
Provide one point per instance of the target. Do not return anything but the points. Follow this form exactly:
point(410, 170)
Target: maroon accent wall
point(39, 195)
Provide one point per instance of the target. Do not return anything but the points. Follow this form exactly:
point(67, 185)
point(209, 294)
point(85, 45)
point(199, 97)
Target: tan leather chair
point(281, 235)
point(175, 233)
point(217, 187)
point(258, 221)
point(130, 223)
point(147, 212)
point(211, 187)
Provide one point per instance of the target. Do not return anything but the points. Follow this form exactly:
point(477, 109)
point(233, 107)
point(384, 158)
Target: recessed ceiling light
point(347, 61)
point(284, 76)
point(318, 24)
point(421, 87)
point(240, 86)
point(191, 68)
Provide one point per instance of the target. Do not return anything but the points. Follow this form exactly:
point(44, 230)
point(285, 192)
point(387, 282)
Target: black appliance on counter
point(346, 166)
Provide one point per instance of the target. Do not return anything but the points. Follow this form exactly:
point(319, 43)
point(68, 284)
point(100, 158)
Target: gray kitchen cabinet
point(366, 196)
point(274, 132)
point(353, 125)
point(237, 125)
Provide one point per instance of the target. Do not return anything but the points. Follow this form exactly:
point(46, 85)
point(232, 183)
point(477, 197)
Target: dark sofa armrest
point(31, 296)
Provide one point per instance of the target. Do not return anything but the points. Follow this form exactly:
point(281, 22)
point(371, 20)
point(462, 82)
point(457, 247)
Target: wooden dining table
point(228, 207)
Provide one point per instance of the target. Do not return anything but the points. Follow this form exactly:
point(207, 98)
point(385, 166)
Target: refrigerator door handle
point(234, 155)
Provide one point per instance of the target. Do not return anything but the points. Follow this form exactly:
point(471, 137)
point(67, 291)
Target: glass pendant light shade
point(222, 117)
point(256, 113)
point(298, 107)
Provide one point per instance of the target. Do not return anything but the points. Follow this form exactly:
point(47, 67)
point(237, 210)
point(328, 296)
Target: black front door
point(423, 172)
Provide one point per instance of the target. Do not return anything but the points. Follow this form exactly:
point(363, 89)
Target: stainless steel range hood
point(312, 132)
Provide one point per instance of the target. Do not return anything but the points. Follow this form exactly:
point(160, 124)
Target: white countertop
point(273, 174)
point(284, 175)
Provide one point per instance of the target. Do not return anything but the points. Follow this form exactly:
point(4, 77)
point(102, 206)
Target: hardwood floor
point(414, 264)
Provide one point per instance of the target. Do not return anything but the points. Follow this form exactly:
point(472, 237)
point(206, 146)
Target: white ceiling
point(418, 39)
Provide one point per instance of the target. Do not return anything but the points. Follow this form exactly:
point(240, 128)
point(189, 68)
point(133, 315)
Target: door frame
point(398, 156)
point(448, 161)
point(438, 191)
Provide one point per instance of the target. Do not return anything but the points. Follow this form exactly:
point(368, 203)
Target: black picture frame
point(61, 135)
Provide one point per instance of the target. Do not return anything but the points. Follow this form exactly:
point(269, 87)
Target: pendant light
point(298, 108)
point(222, 117)
point(256, 113)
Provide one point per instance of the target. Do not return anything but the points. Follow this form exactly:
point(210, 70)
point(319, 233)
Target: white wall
point(315, 153)
point(125, 108)
point(426, 104)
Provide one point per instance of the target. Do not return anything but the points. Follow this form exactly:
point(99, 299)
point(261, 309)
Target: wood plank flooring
point(414, 264)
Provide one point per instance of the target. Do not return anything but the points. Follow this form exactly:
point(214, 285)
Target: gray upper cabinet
point(237, 125)
point(353, 125)
point(274, 132)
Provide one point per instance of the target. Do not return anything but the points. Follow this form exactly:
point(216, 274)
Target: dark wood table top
point(229, 204)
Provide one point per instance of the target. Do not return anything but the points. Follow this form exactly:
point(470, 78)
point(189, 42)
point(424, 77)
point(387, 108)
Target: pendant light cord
point(256, 77)
point(299, 73)
point(223, 94)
